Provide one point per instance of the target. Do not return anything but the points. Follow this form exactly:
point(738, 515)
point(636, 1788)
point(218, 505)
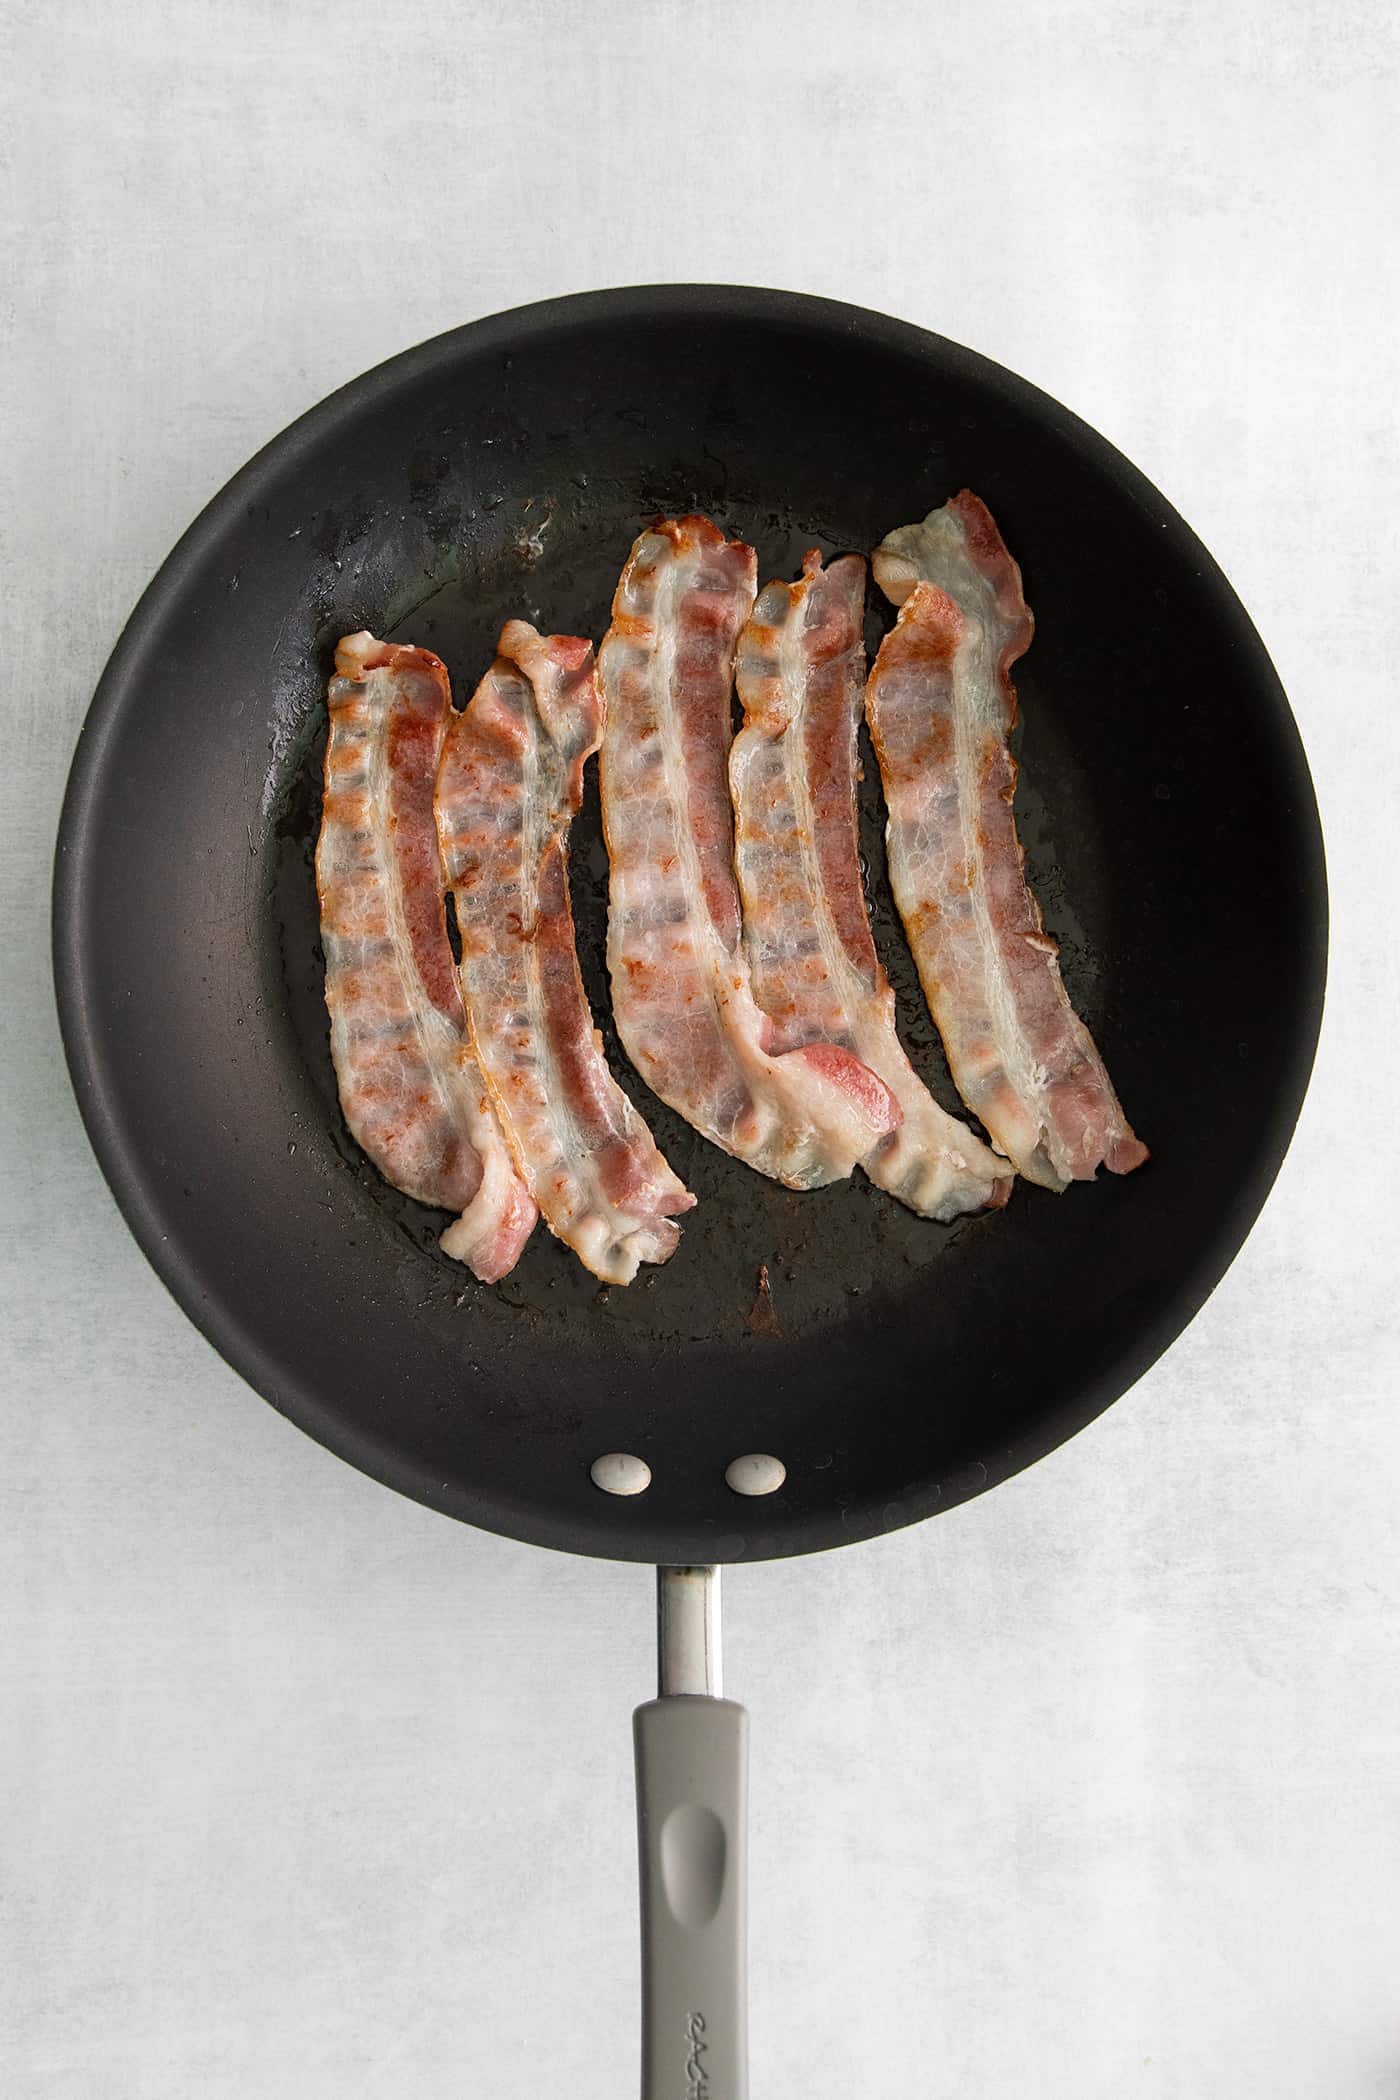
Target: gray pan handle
point(692, 1784)
point(692, 1819)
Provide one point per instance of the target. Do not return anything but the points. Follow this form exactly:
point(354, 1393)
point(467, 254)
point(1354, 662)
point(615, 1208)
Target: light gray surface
point(1087, 1789)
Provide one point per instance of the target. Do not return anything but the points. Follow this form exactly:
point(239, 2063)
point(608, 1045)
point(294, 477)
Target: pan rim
point(508, 1512)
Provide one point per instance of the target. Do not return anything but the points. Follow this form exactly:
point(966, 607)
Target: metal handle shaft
point(687, 1632)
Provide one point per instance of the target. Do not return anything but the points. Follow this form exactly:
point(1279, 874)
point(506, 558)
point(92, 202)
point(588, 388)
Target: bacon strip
point(793, 773)
point(509, 785)
point(680, 983)
point(409, 1086)
point(941, 707)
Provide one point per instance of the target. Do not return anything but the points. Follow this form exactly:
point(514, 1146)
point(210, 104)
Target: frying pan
point(893, 1367)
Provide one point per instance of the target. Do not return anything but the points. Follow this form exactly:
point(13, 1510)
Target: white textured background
point(1088, 1789)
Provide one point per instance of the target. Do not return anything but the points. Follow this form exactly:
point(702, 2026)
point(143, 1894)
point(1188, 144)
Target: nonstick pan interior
point(895, 1366)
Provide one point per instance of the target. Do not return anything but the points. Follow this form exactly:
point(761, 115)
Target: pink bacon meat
point(509, 785)
point(409, 1086)
point(680, 982)
point(793, 773)
point(941, 706)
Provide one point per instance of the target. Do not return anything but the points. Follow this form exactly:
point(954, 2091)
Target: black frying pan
point(898, 1366)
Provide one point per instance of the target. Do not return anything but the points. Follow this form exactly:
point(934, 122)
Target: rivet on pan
point(755, 1474)
point(620, 1473)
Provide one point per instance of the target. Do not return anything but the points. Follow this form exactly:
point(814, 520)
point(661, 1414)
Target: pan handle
point(692, 1783)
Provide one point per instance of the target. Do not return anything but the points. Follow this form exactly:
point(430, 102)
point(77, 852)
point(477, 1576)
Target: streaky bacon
point(941, 707)
point(410, 1088)
point(793, 772)
point(509, 785)
point(682, 999)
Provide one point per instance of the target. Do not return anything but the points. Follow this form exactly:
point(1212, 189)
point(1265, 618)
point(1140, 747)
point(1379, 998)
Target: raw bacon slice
point(509, 785)
point(793, 773)
point(941, 706)
point(680, 982)
point(409, 1086)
